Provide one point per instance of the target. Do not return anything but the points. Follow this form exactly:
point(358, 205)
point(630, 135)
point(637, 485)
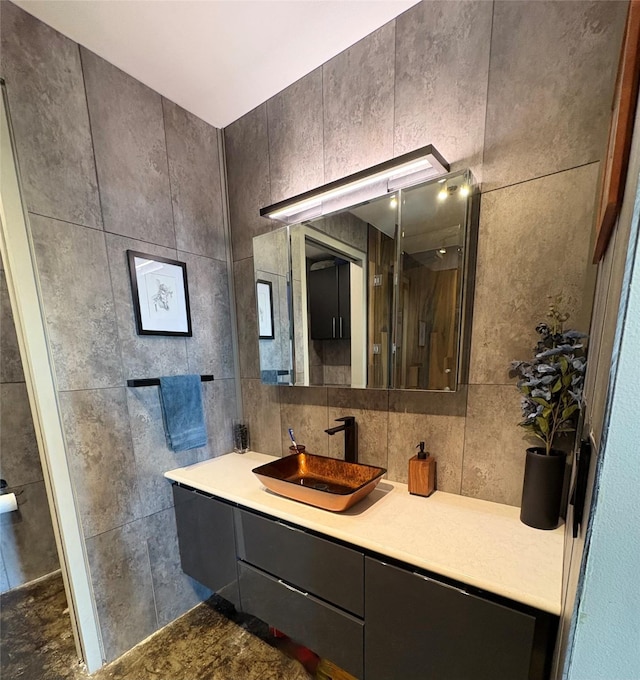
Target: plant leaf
point(543, 425)
point(569, 411)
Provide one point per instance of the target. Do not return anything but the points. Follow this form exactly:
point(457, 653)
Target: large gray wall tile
point(442, 69)
point(152, 455)
point(131, 153)
point(174, 592)
point(219, 401)
point(143, 356)
point(121, 576)
point(370, 408)
point(49, 114)
point(296, 160)
point(209, 350)
point(247, 159)
point(19, 457)
point(100, 455)
point(494, 448)
point(358, 105)
point(26, 536)
point(304, 409)
point(552, 73)
point(246, 316)
point(78, 304)
point(10, 361)
point(261, 407)
point(196, 191)
point(430, 403)
point(443, 437)
point(528, 248)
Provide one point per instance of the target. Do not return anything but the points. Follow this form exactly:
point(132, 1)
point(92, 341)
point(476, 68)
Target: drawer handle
point(440, 583)
point(295, 590)
point(288, 526)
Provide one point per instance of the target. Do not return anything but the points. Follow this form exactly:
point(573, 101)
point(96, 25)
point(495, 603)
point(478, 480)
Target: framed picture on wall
point(160, 295)
point(264, 298)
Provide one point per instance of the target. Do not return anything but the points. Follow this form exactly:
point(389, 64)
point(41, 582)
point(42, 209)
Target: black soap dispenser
point(422, 473)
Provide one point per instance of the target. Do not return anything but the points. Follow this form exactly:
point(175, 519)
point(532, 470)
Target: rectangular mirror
point(339, 281)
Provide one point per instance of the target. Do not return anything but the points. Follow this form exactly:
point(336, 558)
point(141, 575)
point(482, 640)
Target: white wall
point(606, 640)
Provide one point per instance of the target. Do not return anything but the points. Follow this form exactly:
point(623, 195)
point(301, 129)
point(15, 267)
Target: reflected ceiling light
point(410, 168)
point(443, 194)
point(442, 251)
point(393, 203)
point(465, 190)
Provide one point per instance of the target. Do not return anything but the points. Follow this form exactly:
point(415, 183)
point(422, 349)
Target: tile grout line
point(153, 590)
point(486, 101)
point(104, 236)
point(173, 212)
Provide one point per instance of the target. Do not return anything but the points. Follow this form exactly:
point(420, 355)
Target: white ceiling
point(216, 58)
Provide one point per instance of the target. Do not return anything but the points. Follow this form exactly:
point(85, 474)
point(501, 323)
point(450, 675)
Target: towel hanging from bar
point(182, 412)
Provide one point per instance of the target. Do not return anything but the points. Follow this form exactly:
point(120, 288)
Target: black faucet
point(350, 429)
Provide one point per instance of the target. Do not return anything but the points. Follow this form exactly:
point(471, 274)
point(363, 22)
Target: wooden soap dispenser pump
point(422, 473)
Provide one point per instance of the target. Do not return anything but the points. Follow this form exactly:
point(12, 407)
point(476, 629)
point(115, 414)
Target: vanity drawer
point(315, 565)
point(328, 631)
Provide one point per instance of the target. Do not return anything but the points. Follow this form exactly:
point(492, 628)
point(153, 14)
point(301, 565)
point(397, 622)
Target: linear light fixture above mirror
point(410, 168)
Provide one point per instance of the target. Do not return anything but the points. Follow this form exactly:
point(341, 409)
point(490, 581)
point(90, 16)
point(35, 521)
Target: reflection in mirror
point(336, 281)
point(271, 266)
point(329, 270)
point(429, 291)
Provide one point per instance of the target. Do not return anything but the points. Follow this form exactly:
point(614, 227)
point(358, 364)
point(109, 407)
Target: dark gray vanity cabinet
point(206, 539)
point(422, 629)
point(329, 303)
point(376, 620)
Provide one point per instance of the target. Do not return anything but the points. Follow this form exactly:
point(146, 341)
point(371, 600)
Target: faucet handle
point(348, 420)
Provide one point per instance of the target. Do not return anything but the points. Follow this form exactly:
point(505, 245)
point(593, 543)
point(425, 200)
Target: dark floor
point(36, 643)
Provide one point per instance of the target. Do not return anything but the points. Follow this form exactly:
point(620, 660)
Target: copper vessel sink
point(327, 483)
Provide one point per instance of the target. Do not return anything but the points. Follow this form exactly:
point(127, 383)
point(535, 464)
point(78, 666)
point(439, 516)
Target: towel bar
point(149, 382)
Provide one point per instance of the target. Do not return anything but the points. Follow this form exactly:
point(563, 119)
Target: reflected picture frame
point(264, 299)
point(160, 293)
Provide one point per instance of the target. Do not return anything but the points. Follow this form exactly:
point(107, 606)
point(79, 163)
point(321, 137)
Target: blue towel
point(182, 412)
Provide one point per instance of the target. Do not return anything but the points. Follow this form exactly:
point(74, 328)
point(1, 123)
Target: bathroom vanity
point(398, 586)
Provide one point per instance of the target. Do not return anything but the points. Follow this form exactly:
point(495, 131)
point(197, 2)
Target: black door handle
point(579, 493)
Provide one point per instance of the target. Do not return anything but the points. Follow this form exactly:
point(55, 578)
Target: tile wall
point(520, 92)
point(109, 165)
point(27, 546)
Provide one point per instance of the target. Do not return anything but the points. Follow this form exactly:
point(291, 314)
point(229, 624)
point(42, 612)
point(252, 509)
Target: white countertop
point(476, 542)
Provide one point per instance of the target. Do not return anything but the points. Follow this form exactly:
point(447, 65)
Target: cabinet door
point(207, 541)
point(322, 285)
point(421, 629)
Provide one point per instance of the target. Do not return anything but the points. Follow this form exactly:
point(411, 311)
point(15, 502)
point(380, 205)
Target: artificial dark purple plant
point(552, 383)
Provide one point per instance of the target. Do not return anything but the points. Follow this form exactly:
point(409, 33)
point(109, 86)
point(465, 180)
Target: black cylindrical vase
point(542, 488)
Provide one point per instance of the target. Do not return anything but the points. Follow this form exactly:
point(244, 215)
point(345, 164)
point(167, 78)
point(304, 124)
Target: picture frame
point(264, 299)
point(160, 294)
point(617, 158)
